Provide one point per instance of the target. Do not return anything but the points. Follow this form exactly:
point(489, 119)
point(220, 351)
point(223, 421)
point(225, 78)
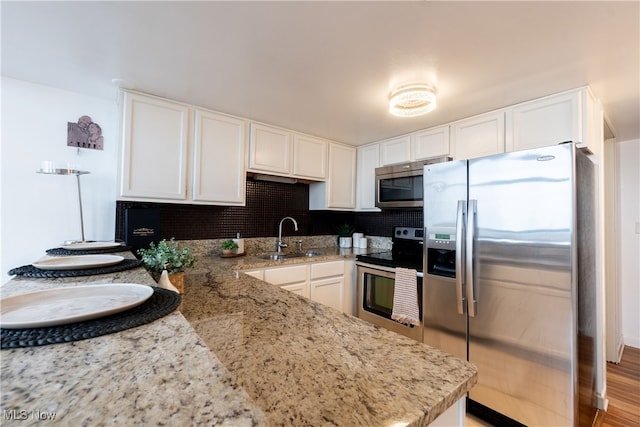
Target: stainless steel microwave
point(400, 186)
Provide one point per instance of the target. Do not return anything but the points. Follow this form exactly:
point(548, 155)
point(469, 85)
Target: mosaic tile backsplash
point(266, 204)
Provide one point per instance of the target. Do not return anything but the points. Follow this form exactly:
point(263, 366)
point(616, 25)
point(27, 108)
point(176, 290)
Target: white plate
point(81, 246)
point(76, 262)
point(72, 304)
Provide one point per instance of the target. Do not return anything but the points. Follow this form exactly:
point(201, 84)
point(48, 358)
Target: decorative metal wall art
point(85, 134)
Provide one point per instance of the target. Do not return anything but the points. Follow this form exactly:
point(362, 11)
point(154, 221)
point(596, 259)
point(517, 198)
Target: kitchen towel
point(405, 297)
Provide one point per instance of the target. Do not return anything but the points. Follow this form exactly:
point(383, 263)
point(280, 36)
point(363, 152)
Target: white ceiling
point(326, 68)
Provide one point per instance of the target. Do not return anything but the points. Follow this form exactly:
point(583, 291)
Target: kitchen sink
point(313, 253)
point(280, 256)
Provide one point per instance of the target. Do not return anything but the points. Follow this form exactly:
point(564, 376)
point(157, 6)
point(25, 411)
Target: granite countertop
point(248, 353)
point(307, 364)
point(161, 373)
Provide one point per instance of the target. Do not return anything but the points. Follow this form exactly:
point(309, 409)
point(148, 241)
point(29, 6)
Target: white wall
point(39, 212)
point(628, 153)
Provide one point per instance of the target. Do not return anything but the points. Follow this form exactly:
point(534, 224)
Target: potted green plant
point(344, 235)
point(168, 255)
point(228, 247)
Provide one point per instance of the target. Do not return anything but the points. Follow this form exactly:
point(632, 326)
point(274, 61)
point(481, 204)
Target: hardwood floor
point(623, 391)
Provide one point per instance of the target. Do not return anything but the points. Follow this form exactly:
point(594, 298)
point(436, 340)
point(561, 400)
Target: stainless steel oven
point(375, 299)
point(376, 274)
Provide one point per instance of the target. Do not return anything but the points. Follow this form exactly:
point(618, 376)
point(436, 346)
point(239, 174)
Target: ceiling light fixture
point(412, 100)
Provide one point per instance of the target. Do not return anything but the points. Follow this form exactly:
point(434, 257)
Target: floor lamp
point(50, 169)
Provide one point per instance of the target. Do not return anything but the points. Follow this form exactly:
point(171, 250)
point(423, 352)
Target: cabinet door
point(478, 136)
point(301, 289)
point(328, 292)
point(430, 143)
point(323, 270)
point(270, 149)
point(349, 294)
point(327, 279)
point(395, 150)
point(258, 274)
point(368, 161)
point(342, 177)
point(546, 121)
point(309, 157)
point(294, 278)
point(219, 159)
point(286, 275)
point(154, 150)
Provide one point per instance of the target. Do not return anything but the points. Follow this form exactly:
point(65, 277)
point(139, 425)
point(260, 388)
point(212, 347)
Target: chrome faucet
point(280, 244)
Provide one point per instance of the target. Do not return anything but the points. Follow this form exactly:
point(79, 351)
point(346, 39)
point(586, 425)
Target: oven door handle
point(383, 268)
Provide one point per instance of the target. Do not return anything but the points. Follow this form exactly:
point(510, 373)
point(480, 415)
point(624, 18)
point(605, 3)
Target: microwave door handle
point(460, 221)
point(471, 280)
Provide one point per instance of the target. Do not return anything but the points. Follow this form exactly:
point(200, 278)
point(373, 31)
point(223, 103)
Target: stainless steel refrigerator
point(510, 281)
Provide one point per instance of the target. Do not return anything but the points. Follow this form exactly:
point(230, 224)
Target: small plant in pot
point(168, 255)
point(228, 247)
point(344, 235)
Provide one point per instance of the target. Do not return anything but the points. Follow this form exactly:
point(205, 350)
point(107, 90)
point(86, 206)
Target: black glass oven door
point(378, 293)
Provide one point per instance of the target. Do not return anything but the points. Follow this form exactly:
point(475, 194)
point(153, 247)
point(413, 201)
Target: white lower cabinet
point(349, 293)
point(321, 282)
point(292, 278)
point(454, 416)
point(327, 280)
point(258, 274)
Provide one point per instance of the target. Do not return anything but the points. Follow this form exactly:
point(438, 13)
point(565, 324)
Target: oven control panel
point(408, 233)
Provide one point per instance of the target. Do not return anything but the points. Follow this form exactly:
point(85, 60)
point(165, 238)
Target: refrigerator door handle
point(460, 267)
point(471, 282)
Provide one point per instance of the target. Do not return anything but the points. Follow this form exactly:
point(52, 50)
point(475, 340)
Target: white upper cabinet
point(172, 153)
point(342, 177)
point(155, 149)
point(339, 190)
point(309, 157)
point(395, 150)
point(282, 152)
point(219, 155)
point(478, 136)
point(428, 143)
point(545, 121)
point(269, 149)
point(368, 161)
